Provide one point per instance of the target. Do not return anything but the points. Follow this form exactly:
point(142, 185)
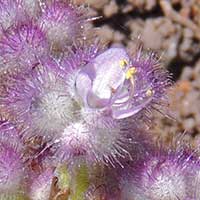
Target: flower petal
point(107, 73)
point(83, 85)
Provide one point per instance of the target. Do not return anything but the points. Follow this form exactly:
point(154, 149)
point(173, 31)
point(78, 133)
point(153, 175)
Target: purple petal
point(83, 85)
point(107, 76)
point(123, 108)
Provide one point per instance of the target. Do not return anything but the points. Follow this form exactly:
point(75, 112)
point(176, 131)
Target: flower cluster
point(74, 114)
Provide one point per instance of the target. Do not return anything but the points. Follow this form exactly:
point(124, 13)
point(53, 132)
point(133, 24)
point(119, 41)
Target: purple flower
point(99, 80)
point(115, 83)
point(69, 106)
point(22, 47)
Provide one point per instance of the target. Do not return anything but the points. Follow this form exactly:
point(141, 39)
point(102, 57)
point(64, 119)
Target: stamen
point(132, 71)
point(123, 63)
point(149, 92)
point(130, 76)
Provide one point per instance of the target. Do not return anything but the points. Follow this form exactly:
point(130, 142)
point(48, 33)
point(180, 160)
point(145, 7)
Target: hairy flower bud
point(9, 12)
point(62, 23)
point(41, 186)
point(161, 176)
point(12, 174)
point(22, 48)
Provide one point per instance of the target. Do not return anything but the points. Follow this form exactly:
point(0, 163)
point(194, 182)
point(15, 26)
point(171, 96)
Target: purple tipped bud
point(31, 7)
point(62, 23)
point(41, 186)
point(11, 172)
point(10, 136)
point(100, 141)
point(160, 177)
point(80, 55)
point(8, 14)
point(22, 47)
point(11, 165)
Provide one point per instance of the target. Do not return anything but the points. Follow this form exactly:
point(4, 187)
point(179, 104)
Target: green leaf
point(81, 183)
point(63, 177)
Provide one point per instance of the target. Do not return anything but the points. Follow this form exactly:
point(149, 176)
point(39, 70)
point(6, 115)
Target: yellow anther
point(149, 92)
point(123, 63)
point(131, 72)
